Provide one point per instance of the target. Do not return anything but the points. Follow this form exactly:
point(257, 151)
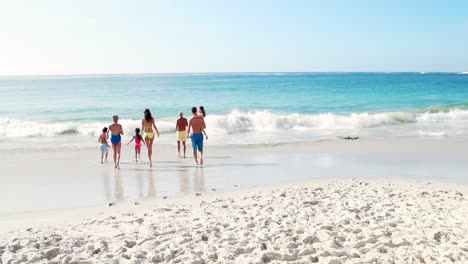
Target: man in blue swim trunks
point(196, 124)
point(116, 131)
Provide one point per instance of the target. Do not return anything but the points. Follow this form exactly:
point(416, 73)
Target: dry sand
point(341, 221)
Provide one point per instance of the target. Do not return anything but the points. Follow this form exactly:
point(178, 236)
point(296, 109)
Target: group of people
point(193, 129)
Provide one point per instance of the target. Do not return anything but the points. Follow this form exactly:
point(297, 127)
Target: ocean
point(250, 108)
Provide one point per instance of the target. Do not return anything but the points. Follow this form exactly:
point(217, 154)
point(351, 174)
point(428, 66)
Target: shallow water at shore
point(257, 108)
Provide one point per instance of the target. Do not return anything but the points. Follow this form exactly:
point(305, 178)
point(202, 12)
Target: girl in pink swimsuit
point(138, 140)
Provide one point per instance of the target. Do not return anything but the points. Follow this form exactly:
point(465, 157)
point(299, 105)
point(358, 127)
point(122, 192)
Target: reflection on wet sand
point(199, 180)
point(106, 184)
point(185, 178)
point(141, 183)
point(119, 191)
point(151, 187)
point(139, 178)
point(114, 189)
point(109, 185)
point(184, 184)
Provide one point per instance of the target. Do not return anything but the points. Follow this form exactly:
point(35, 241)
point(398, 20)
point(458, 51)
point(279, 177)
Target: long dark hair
point(202, 110)
point(137, 134)
point(148, 115)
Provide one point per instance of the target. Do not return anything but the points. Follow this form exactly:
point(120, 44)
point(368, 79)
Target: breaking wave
point(239, 122)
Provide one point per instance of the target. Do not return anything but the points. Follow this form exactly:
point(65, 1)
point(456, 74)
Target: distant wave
point(26, 128)
point(445, 108)
point(71, 131)
point(266, 121)
point(239, 122)
point(463, 73)
point(432, 134)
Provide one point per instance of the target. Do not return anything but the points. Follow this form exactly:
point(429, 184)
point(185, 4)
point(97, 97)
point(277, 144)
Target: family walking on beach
point(193, 129)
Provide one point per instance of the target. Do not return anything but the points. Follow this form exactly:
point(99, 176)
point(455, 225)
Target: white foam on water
point(432, 134)
point(237, 122)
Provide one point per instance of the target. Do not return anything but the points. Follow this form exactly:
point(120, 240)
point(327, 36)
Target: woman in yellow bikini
point(147, 124)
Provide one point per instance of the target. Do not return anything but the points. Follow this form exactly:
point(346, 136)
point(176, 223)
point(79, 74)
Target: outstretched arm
point(156, 128)
point(131, 140)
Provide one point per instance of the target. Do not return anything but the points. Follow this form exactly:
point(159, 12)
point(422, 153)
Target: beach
point(326, 168)
point(328, 221)
point(330, 201)
point(332, 132)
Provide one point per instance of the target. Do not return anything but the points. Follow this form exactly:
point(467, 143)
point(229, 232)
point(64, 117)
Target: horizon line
point(228, 72)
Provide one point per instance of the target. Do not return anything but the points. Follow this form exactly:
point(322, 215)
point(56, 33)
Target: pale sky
point(110, 36)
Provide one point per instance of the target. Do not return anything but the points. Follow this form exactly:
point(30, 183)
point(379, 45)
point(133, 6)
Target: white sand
point(346, 221)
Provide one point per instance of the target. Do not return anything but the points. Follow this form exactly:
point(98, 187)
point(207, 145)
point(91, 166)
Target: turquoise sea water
point(241, 108)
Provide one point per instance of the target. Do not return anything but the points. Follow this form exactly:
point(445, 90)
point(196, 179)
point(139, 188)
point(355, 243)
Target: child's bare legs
point(136, 152)
point(201, 157)
point(102, 158)
point(105, 160)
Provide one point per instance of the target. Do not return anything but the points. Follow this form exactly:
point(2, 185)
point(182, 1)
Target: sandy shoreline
point(292, 202)
point(340, 221)
point(54, 179)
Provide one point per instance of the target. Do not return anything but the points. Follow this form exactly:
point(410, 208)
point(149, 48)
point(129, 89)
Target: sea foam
point(237, 122)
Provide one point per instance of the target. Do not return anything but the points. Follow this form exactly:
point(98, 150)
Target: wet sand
point(50, 179)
